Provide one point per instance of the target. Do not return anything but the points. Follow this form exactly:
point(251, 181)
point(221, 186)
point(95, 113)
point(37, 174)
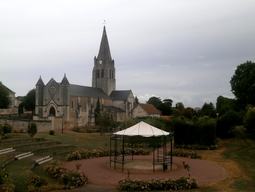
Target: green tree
point(243, 84)
point(224, 104)
point(208, 110)
point(249, 120)
point(29, 100)
point(166, 107)
point(179, 106)
point(97, 111)
point(136, 101)
point(32, 129)
point(155, 101)
point(104, 120)
point(4, 97)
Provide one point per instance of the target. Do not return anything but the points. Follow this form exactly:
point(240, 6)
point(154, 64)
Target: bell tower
point(103, 75)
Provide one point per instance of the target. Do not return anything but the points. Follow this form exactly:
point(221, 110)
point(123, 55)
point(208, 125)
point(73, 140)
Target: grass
point(237, 156)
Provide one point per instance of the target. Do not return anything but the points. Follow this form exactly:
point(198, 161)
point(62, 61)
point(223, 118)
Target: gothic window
point(72, 105)
point(52, 111)
point(98, 73)
point(85, 106)
point(110, 74)
point(102, 73)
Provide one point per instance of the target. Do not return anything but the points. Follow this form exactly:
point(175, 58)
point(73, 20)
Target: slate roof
point(84, 91)
point(114, 108)
point(120, 95)
point(150, 109)
point(7, 88)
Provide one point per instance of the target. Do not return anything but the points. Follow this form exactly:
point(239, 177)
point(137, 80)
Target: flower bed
point(86, 154)
point(69, 178)
point(181, 183)
point(182, 153)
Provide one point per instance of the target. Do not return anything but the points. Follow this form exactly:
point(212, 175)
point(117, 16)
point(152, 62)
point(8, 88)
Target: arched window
point(98, 73)
point(72, 104)
point(102, 73)
point(52, 111)
point(85, 106)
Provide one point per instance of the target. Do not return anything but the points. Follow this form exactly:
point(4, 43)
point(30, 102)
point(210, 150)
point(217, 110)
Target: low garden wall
point(20, 125)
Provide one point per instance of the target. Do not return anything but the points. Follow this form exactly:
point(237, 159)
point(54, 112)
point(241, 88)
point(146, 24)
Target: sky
point(184, 50)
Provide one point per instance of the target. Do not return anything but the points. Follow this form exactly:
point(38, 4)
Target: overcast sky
point(184, 50)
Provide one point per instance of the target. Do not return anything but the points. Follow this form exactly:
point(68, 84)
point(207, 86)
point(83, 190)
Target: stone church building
point(75, 104)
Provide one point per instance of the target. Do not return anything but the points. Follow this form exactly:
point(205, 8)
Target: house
point(145, 110)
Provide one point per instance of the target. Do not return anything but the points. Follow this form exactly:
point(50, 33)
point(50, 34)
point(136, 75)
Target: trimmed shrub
point(51, 132)
point(5, 129)
point(32, 129)
point(200, 131)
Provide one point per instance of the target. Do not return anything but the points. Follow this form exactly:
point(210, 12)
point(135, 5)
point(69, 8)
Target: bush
point(69, 178)
point(181, 183)
point(249, 120)
point(226, 124)
point(51, 132)
point(32, 129)
point(200, 131)
point(36, 181)
point(182, 153)
point(5, 129)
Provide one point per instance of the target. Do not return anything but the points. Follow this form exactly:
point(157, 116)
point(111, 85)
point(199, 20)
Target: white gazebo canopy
point(142, 129)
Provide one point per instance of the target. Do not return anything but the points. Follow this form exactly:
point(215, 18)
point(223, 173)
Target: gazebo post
point(153, 143)
point(123, 152)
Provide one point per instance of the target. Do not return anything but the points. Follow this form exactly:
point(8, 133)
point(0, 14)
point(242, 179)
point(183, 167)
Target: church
point(75, 104)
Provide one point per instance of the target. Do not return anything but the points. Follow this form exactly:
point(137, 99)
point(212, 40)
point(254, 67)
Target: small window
point(98, 73)
point(72, 105)
point(102, 73)
point(85, 106)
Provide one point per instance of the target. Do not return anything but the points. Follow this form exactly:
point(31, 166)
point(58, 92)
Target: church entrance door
point(52, 111)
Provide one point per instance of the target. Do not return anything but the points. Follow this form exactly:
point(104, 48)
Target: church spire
point(104, 55)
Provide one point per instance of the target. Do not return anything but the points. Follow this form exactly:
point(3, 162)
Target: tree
point(179, 106)
point(136, 101)
point(249, 120)
point(166, 107)
point(32, 129)
point(4, 97)
point(243, 84)
point(29, 100)
point(208, 110)
point(104, 120)
point(155, 101)
point(224, 104)
point(97, 111)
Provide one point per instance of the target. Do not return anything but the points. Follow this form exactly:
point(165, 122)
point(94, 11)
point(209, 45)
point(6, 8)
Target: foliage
point(87, 154)
point(208, 110)
point(155, 101)
point(104, 121)
point(51, 132)
point(187, 113)
point(97, 111)
point(32, 129)
point(190, 132)
point(242, 84)
point(179, 106)
point(5, 129)
point(29, 100)
point(35, 183)
point(249, 120)
point(86, 129)
point(181, 183)
point(4, 97)
point(69, 178)
point(224, 104)
point(182, 153)
point(6, 182)
point(226, 124)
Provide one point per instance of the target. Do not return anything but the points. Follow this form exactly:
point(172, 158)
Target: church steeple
point(104, 54)
point(103, 75)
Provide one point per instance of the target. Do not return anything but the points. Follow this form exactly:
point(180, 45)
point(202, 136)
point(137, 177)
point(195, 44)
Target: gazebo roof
point(142, 129)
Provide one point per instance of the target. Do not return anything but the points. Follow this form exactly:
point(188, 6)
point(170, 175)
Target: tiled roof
point(84, 91)
point(120, 95)
point(150, 109)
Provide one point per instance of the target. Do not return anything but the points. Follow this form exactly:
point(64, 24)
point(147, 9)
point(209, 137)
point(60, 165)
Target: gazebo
point(142, 129)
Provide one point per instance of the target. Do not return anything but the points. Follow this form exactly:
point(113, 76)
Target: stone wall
point(20, 125)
